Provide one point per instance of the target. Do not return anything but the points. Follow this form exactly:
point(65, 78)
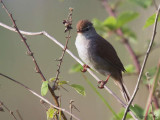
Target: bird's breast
point(82, 45)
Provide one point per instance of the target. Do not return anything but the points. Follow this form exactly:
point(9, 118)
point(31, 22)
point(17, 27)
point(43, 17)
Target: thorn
point(37, 70)
point(29, 53)
point(58, 59)
point(24, 38)
point(11, 112)
point(42, 101)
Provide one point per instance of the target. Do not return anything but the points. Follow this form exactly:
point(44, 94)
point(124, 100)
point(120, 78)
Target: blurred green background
point(47, 15)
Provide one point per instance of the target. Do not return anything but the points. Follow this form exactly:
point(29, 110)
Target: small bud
point(29, 53)
point(71, 9)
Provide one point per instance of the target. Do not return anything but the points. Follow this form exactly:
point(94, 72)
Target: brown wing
point(107, 52)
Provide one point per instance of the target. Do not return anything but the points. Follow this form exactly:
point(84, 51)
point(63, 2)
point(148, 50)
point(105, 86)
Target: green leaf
point(157, 114)
point(62, 82)
point(130, 68)
point(44, 88)
point(80, 89)
point(128, 33)
point(151, 21)
point(75, 68)
point(143, 3)
point(126, 17)
point(151, 73)
point(138, 111)
point(50, 113)
point(111, 23)
point(101, 28)
point(97, 24)
point(120, 115)
point(52, 79)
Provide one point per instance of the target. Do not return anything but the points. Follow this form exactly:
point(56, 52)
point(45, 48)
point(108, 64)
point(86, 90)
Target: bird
point(99, 55)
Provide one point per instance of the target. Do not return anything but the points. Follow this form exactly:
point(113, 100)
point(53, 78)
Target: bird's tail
point(123, 90)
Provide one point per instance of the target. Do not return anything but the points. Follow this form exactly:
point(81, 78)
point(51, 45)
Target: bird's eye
point(86, 29)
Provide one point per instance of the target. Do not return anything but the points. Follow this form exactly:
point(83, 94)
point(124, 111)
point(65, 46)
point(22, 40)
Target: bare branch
point(152, 90)
point(30, 53)
point(155, 4)
point(20, 117)
point(144, 63)
point(39, 96)
point(11, 112)
point(67, 23)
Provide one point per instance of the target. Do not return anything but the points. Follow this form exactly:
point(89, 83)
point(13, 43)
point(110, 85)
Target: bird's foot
point(84, 68)
point(102, 83)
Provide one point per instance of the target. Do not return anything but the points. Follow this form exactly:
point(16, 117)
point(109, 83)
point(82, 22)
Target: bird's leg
point(84, 68)
point(102, 83)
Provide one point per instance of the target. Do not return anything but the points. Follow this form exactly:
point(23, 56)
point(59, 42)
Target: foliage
point(79, 89)
point(142, 3)
point(130, 68)
point(44, 88)
point(51, 113)
point(75, 68)
point(111, 24)
point(151, 20)
point(148, 77)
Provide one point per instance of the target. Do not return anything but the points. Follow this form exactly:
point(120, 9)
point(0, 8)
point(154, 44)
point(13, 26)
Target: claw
point(84, 68)
point(102, 83)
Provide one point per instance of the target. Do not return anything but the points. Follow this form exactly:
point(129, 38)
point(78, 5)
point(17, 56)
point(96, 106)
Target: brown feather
point(82, 24)
point(108, 53)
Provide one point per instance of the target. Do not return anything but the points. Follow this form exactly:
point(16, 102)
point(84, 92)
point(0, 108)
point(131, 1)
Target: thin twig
point(11, 112)
point(155, 4)
point(152, 90)
point(20, 116)
point(30, 53)
point(143, 65)
point(68, 27)
point(71, 107)
point(39, 96)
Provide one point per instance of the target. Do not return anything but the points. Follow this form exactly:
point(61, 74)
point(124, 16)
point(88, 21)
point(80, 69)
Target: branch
point(20, 117)
point(143, 65)
point(67, 23)
point(152, 90)
point(39, 96)
point(30, 53)
point(11, 112)
point(155, 4)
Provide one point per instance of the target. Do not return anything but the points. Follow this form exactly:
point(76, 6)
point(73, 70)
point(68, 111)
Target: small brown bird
point(98, 54)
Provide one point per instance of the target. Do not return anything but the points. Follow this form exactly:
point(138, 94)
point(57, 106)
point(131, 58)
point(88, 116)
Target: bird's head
point(84, 26)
